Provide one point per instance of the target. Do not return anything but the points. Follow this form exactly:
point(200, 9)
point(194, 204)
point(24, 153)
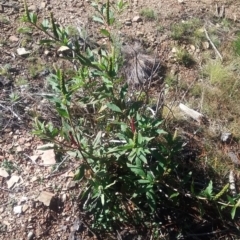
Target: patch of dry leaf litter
point(35, 199)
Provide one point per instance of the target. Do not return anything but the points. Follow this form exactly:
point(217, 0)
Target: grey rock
point(30, 235)
point(128, 23)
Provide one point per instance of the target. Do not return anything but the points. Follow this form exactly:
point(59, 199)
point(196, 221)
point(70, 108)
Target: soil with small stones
point(23, 80)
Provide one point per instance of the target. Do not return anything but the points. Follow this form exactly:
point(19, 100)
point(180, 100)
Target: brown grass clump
point(139, 68)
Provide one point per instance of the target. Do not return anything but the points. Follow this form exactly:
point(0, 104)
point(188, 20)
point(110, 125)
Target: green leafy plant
point(127, 162)
point(14, 97)
point(124, 154)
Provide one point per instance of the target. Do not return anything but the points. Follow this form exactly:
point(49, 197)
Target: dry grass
point(139, 68)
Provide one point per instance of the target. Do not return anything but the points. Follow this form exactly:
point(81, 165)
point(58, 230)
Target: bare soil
point(26, 76)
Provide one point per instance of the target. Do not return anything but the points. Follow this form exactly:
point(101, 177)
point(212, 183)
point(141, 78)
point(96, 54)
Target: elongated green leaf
point(97, 139)
point(114, 107)
point(208, 191)
point(102, 199)
point(46, 41)
point(174, 195)
point(79, 173)
point(138, 171)
point(33, 18)
point(145, 181)
point(233, 212)
point(98, 19)
point(105, 32)
point(63, 113)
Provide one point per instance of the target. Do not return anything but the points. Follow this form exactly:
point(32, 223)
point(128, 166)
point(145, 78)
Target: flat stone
point(23, 52)
point(205, 45)
point(137, 19)
point(48, 155)
point(43, 5)
point(11, 182)
point(25, 207)
point(17, 209)
point(63, 49)
point(139, 34)
point(13, 39)
point(30, 235)
point(34, 179)
point(3, 173)
point(19, 149)
point(32, 8)
point(46, 198)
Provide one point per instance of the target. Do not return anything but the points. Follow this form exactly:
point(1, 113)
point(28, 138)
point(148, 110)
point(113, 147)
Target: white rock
point(32, 8)
point(174, 50)
point(22, 52)
point(30, 235)
point(139, 34)
point(137, 19)
point(14, 179)
point(205, 45)
point(46, 198)
point(226, 136)
point(63, 49)
point(17, 209)
point(3, 173)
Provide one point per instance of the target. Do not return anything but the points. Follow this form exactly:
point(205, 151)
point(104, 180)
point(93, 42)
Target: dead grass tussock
point(139, 67)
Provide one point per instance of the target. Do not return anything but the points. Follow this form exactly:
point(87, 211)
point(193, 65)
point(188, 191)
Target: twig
point(56, 169)
point(8, 108)
point(208, 38)
point(6, 190)
point(205, 234)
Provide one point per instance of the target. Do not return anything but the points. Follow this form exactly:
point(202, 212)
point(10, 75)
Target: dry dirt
point(23, 214)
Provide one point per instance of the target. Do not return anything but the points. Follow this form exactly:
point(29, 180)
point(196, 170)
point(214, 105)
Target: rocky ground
point(37, 201)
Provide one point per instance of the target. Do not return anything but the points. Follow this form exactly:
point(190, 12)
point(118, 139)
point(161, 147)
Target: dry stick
point(4, 189)
point(206, 234)
point(208, 38)
point(8, 108)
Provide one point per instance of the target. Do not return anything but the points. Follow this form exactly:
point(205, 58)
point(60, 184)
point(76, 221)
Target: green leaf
point(209, 189)
point(33, 18)
point(45, 24)
point(144, 181)
point(174, 195)
point(54, 26)
point(46, 41)
point(80, 173)
point(138, 171)
point(105, 32)
point(233, 211)
point(98, 19)
point(141, 154)
point(63, 112)
point(97, 139)
point(114, 107)
point(102, 199)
